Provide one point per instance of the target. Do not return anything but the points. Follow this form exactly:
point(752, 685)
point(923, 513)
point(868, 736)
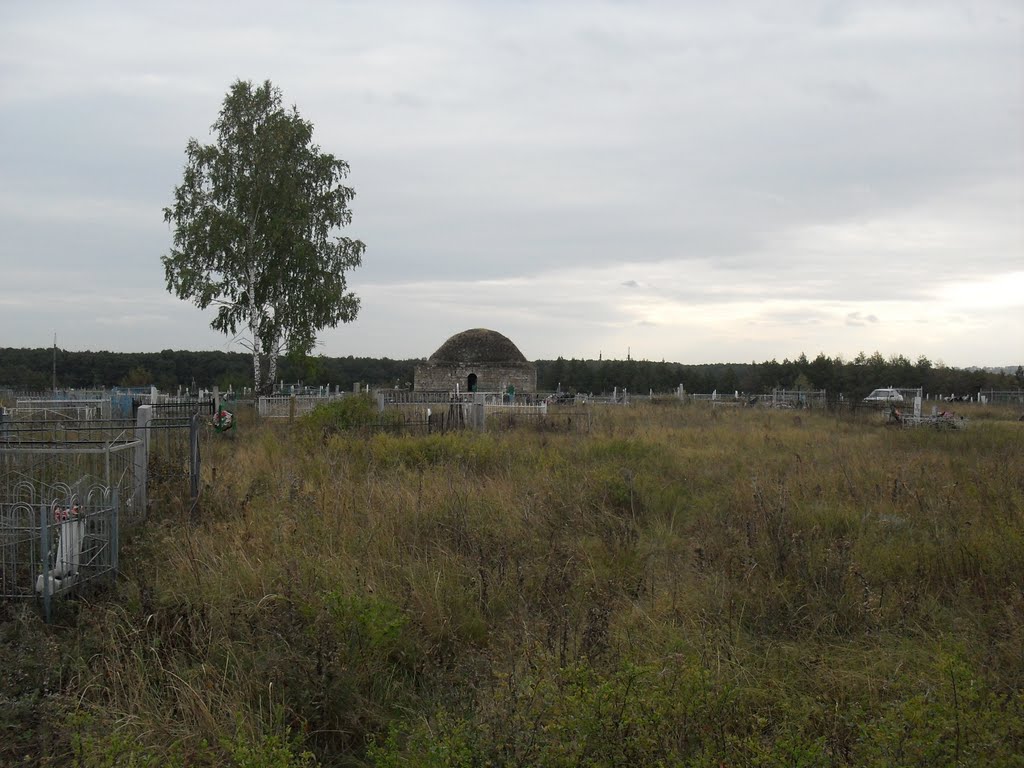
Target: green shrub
point(346, 414)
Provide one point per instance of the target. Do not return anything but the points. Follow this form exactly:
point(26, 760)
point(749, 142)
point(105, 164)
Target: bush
point(346, 414)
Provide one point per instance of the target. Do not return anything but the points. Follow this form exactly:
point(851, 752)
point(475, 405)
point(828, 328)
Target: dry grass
point(681, 586)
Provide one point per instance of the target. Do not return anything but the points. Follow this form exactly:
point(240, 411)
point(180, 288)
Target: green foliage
point(854, 379)
point(29, 369)
point(269, 752)
point(960, 721)
point(254, 222)
point(675, 714)
point(137, 377)
point(372, 625)
point(347, 413)
point(114, 750)
point(682, 713)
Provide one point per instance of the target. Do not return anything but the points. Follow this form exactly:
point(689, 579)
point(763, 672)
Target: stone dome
point(478, 345)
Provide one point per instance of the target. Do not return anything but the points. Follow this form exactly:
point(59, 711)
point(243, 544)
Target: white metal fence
point(52, 547)
point(78, 409)
point(291, 406)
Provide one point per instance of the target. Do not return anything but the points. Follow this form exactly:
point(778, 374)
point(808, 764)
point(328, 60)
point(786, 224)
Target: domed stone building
point(477, 360)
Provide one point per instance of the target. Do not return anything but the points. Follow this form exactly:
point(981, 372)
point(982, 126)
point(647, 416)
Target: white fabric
point(69, 555)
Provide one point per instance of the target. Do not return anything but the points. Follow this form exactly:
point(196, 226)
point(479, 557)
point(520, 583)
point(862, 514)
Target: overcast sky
point(689, 181)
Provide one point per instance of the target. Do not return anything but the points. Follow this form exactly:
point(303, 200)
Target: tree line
point(853, 379)
point(32, 370)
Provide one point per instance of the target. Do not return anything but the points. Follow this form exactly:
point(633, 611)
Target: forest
point(33, 370)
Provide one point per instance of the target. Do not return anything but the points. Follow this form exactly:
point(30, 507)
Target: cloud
point(860, 320)
point(57, 208)
point(781, 316)
point(781, 178)
point(133, 320)
point(854, 92)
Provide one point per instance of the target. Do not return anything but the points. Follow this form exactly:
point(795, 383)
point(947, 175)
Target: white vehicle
point(884, 395)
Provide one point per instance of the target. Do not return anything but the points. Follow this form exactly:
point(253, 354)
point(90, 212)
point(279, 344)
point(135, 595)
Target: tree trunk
point(264, 365)
point(271, 359)
point(264, 368)
point(256, 367)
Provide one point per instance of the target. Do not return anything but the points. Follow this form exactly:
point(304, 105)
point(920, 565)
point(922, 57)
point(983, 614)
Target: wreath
point(224, 420)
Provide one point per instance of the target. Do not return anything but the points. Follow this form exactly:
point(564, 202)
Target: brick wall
point(491, 377)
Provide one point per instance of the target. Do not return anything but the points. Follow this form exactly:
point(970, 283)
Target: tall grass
point(680, 586)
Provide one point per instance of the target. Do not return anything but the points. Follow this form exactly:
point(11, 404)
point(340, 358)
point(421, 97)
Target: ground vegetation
point(680, 586)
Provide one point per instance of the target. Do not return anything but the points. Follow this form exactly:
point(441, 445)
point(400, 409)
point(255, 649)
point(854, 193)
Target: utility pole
point(54, 366)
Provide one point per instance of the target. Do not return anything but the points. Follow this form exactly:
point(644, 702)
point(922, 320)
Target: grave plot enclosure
point(69, 486)
point(65, 488)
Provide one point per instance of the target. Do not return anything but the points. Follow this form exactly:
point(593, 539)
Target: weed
point(679, 586)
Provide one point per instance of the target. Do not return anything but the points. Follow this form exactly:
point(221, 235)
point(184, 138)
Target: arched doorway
point(471, 383)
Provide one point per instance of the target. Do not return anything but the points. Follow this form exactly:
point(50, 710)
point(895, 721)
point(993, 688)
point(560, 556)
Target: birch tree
point(257, 220)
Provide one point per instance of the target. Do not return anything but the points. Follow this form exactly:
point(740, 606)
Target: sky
point(683, 181)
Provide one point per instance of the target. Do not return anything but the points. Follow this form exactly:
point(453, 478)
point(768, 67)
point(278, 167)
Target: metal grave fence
point(51, 409)
point(172, 448)
point(41, 471)
point(180, 408)
point(291, 406)
point(539, 418)
point(444, 411)
point(53, 546)
point(68, 487)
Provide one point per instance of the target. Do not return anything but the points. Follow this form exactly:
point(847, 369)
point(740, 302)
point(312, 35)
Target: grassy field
point(680, 586)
